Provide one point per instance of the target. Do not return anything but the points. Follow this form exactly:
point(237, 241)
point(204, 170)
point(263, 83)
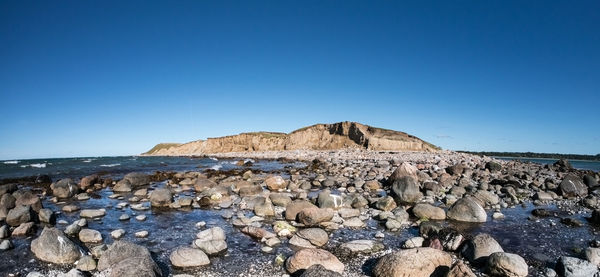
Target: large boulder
point(211, 241)
point(53, 246)
point(478, 249)
point(572, 186)
point(137, 179)
point(429, 211)
point(64, 188)
point(89, 181)
point(507, 264)
point(203, 184)
point(414, 262)
point(309, 238)
point(27, 197)
point(18, 215)
point(90, 236)
point(493, 166)
point(292, 209)
point(406, 190)
point(306, 258)
point(188, 257)
point(468, 210)
point(161, 197)
point(314, 216)
point(128, 259)
point(405, 169)
point(575, 267)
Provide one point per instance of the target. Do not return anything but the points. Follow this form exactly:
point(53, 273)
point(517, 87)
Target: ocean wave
point(88, 160)
point(213, 158)
point(216, 167)
point(41, 165)
point(12, 162)
point(110, 165)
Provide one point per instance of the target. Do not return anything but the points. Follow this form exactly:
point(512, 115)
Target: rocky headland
point(341, 135)
point(349, 212)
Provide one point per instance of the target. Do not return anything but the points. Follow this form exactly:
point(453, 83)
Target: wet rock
point(188, 257)
point(73, 229)
point(263, 207)
point(90, 236)
point(543, 196)
point(275, 183)
point(24, 229)
point(590, 181)
point(203, 184)
point(211, 241)
point(128, 259)
point(413, 243)
point(89, 181)
point(460, 269)
point(506, 264)
point(306, 258)
point(574, 267)
point(137, 179)
point(122, 186)
point(540, 212)
point(18, 215)
point(3, 231)
point(161, 197)
point(488, 198)
point(5, 245)
point(360, 247)
point(572, 186)
point(429, 212)
point(478, 249)
point(314, 216)
point(571, 222)
point(117, 234)
point(413, 262)
point(92, 213)
point(386, 204)
point(292, 209)
point(64, 188)
point(86, 263)
point(141, 234)
point(318, 270)
point(592, 254)
point(26, 197)
point(53, 246)
point(406, 190)
point(451, 239)
point(257, 232)
point(467, 210)
point(309, 238)
point(46, 216)
point(70, 208)
point(327, 200)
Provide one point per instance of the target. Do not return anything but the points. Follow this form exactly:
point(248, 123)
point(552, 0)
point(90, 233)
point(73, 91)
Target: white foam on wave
point(11, 162)
point(41, 165)
point(110, 165)
point(88, 160)
point(213, 158)
point(216, 167)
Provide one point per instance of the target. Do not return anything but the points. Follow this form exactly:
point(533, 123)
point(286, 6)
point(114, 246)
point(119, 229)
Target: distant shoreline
point(532, 155)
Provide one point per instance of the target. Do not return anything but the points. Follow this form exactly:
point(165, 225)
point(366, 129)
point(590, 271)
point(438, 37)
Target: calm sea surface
point(119, 166)
point(583, 165)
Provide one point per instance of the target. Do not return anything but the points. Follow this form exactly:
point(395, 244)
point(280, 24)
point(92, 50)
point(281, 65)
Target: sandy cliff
point(316, 137)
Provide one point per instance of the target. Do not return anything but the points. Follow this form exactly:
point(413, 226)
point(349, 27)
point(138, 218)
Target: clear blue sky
point(81, 78)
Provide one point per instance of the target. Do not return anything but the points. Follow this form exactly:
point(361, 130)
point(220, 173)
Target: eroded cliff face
point(316, 137)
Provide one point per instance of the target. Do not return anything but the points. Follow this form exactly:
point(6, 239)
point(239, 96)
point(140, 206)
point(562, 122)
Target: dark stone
point(318, 270)
point(493, 166)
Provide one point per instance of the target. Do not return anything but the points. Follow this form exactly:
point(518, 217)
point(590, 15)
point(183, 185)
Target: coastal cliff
point(339, 135)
